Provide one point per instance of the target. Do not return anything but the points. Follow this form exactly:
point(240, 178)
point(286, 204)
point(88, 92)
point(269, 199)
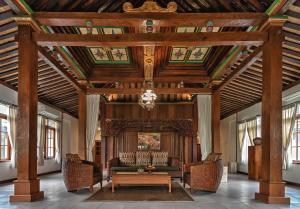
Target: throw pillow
point(160, 158)
point(142, 158)
point(127, 158)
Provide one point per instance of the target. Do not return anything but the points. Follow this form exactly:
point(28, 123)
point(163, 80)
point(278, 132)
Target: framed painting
point(148, 141)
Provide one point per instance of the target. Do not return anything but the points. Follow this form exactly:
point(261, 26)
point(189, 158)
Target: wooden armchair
point(78, 173)
point(205, 175)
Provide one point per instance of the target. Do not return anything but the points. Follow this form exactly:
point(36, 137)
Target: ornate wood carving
point(150, 6)
point(115, 127)
point(148, 62)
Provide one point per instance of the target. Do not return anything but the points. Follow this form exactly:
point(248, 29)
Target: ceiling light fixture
point(148, 96)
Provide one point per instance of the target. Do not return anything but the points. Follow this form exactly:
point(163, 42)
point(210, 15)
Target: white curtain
point(40, 139)
point(288, 122)
point(242, 132)
point(58, 142)
point(12, 133)
point(204, 123)
point(93, 106)
point(252, 130)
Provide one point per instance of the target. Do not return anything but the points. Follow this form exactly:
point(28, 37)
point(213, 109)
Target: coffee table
point(135, 178)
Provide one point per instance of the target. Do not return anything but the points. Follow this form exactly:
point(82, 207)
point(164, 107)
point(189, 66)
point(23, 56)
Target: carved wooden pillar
point(215, 122)
point(27, 185)
point(271, 188)
point(82, 125)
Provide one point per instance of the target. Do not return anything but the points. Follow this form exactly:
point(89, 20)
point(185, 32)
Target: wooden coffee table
point(135, 178)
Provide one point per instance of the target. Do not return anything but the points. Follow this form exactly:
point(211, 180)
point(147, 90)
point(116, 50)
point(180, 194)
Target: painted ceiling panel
point(107, 55)
point(190, 55)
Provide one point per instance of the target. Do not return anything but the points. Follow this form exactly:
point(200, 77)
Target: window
point(246, 139)
point(4, 140)
point(50, 140)
point(295, 143)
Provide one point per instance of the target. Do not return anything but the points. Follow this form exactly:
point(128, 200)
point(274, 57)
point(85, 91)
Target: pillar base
point(272, 193)
point(27, 191)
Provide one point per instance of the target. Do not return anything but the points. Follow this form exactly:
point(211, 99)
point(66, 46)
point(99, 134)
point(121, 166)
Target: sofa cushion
point(159, 158)
point(127, 158)
point(142, 158)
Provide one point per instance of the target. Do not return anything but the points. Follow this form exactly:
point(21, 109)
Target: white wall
point(69, 135)
point(229, 133)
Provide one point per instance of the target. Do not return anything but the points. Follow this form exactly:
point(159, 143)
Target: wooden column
point(195, 131)
point(272, 188)
point(215, 122)
point(82, 125)
point(27, 185)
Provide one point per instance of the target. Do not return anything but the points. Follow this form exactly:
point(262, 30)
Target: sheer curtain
point(58, 142)
point(12, 133)
point(252, 130)
point(242, 132)
point(288, 122)
point(93, 108)
point(204, 123)
point(41, 139)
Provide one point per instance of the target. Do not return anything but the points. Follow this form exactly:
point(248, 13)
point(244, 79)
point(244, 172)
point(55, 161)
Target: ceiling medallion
point(150, 6)
point(148, 96)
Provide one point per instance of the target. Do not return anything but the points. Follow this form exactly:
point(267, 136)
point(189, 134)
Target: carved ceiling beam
point(157, 39)
point(132, 91)
point(159, 79)
point(166, 19)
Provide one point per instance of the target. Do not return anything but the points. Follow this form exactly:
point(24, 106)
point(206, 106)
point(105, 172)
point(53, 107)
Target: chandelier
point(148, 96)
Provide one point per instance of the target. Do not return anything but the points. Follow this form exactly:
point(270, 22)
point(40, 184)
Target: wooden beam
point(58, 68)
point(162, 19)
point(132, 91)
point(241, 68)
point(160, 79)
point(157, 39)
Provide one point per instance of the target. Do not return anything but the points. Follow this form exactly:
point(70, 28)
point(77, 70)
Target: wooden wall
point(160, 112)
point(176, 143)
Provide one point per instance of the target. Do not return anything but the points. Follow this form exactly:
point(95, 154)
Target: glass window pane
point(2, 152)
point(294, 155)
point(5, 152)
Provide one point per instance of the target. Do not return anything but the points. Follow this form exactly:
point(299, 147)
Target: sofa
point(132, 161)
point(79, 173)
point(205, 175)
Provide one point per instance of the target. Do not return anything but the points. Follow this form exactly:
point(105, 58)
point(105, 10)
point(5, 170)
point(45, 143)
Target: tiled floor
point(238, 193)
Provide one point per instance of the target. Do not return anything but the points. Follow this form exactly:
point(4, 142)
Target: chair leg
point(91, 188)
point(101, 184)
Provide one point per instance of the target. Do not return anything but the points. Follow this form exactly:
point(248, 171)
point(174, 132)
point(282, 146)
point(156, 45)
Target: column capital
point(274, 21)
point(27, 20)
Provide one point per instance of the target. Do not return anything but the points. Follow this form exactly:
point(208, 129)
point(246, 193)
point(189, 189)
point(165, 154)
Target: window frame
point(4, 117)
point(297, 161)
point(47, 128)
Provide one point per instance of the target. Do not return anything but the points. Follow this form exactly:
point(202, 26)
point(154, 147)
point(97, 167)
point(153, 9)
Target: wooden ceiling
point(245, 89)
point(240, 82)
point(183, 6)
point(53, 88)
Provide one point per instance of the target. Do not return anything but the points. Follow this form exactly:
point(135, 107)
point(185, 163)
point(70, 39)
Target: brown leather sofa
point(205, 175)
point(79, 173)
point(174, 168)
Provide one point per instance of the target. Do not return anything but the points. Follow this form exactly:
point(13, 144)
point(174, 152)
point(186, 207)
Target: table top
point(144, 173)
